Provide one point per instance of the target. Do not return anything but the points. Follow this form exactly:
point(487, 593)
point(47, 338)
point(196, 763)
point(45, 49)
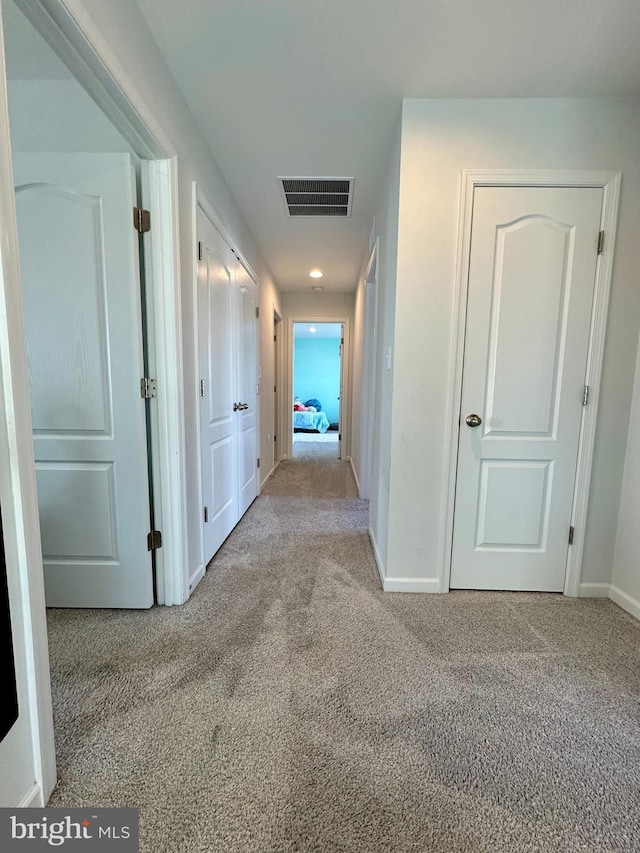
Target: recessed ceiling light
point(312, 329)
point(316, 273)
point(317, 289)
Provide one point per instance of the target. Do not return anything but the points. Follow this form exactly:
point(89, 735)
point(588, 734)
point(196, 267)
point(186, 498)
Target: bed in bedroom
point(309, 418)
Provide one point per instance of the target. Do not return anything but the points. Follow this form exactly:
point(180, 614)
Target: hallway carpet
point(292, 706)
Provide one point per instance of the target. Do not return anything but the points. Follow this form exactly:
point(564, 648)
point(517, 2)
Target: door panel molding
point(470, 180)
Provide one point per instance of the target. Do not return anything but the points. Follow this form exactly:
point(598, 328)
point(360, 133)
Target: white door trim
point(345, 369)
point(165, 356)
point(280, 382)
point(610, 183)
point(369, 345)
point(73, 36)
point(18, 490)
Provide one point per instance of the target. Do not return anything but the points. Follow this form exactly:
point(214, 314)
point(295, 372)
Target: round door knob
point(473, 420)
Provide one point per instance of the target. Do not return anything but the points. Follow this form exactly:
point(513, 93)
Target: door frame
point(18, 496)
point(72, 34)
point(345, 376)
point(369, 346)
point(470, 179)
point(278, 332)
point(199, 199)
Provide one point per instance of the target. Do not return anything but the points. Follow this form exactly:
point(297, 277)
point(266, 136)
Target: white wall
point(140, 60)
point(58, 115)
point(387, 221)
point(625, 580)
point(311, 305)
point(270, 302)
point(439, 139)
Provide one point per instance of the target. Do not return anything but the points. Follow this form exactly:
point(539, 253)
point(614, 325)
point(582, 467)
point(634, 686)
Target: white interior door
point(531, 284)
point(247, 418)
point(81, 294)
point(216, 343)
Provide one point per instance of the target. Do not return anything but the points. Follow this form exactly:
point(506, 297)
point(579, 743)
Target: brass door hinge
point(154, 540)
point(141, 220)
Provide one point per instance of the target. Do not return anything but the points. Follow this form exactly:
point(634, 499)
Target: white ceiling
point(297, 87)
point(314, 87)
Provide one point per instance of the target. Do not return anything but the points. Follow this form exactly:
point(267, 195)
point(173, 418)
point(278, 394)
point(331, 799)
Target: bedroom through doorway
point(317, 357)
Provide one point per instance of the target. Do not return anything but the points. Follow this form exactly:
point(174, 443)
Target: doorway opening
point(67, 152)
point(317, 387)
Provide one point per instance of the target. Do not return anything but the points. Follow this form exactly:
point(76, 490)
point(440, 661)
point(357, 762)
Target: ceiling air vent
point(317, 196)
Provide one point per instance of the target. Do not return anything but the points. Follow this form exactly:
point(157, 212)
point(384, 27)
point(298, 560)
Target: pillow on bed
point(317, 405)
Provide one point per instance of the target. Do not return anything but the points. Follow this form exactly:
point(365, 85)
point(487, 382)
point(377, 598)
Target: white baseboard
point(594, 590)
point(624, 600)
point(33, 799)
point(376, 554)
point(196, 577)
point(430, 585)
point(355, 476)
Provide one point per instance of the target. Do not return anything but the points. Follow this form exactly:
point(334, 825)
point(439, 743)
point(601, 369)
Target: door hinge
point(275, 437)
point(141, 220)
point(339, 436)
point(154, 540)
point(199, 250)
point(600, 242)
point(202, 387)
point(342, 340)
point(274, 339)
point(257, 313)
point(206, 514)
point(585, 395)
point(258, 461)
point(148, 388)
point(571, 532)
point(274, 389)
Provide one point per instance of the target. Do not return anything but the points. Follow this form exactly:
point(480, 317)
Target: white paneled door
point(531, 284)
point(81, 295)
point(247, 388)
point(227, 301)
point(216, 352)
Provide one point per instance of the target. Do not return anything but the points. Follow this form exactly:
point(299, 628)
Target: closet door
point(247, 421)
point(227, 352)
point(216, 350)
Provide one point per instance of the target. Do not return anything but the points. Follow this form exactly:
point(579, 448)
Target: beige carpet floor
point(292, 706)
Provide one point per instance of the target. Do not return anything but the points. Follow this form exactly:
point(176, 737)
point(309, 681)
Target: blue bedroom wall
point(316, 372)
